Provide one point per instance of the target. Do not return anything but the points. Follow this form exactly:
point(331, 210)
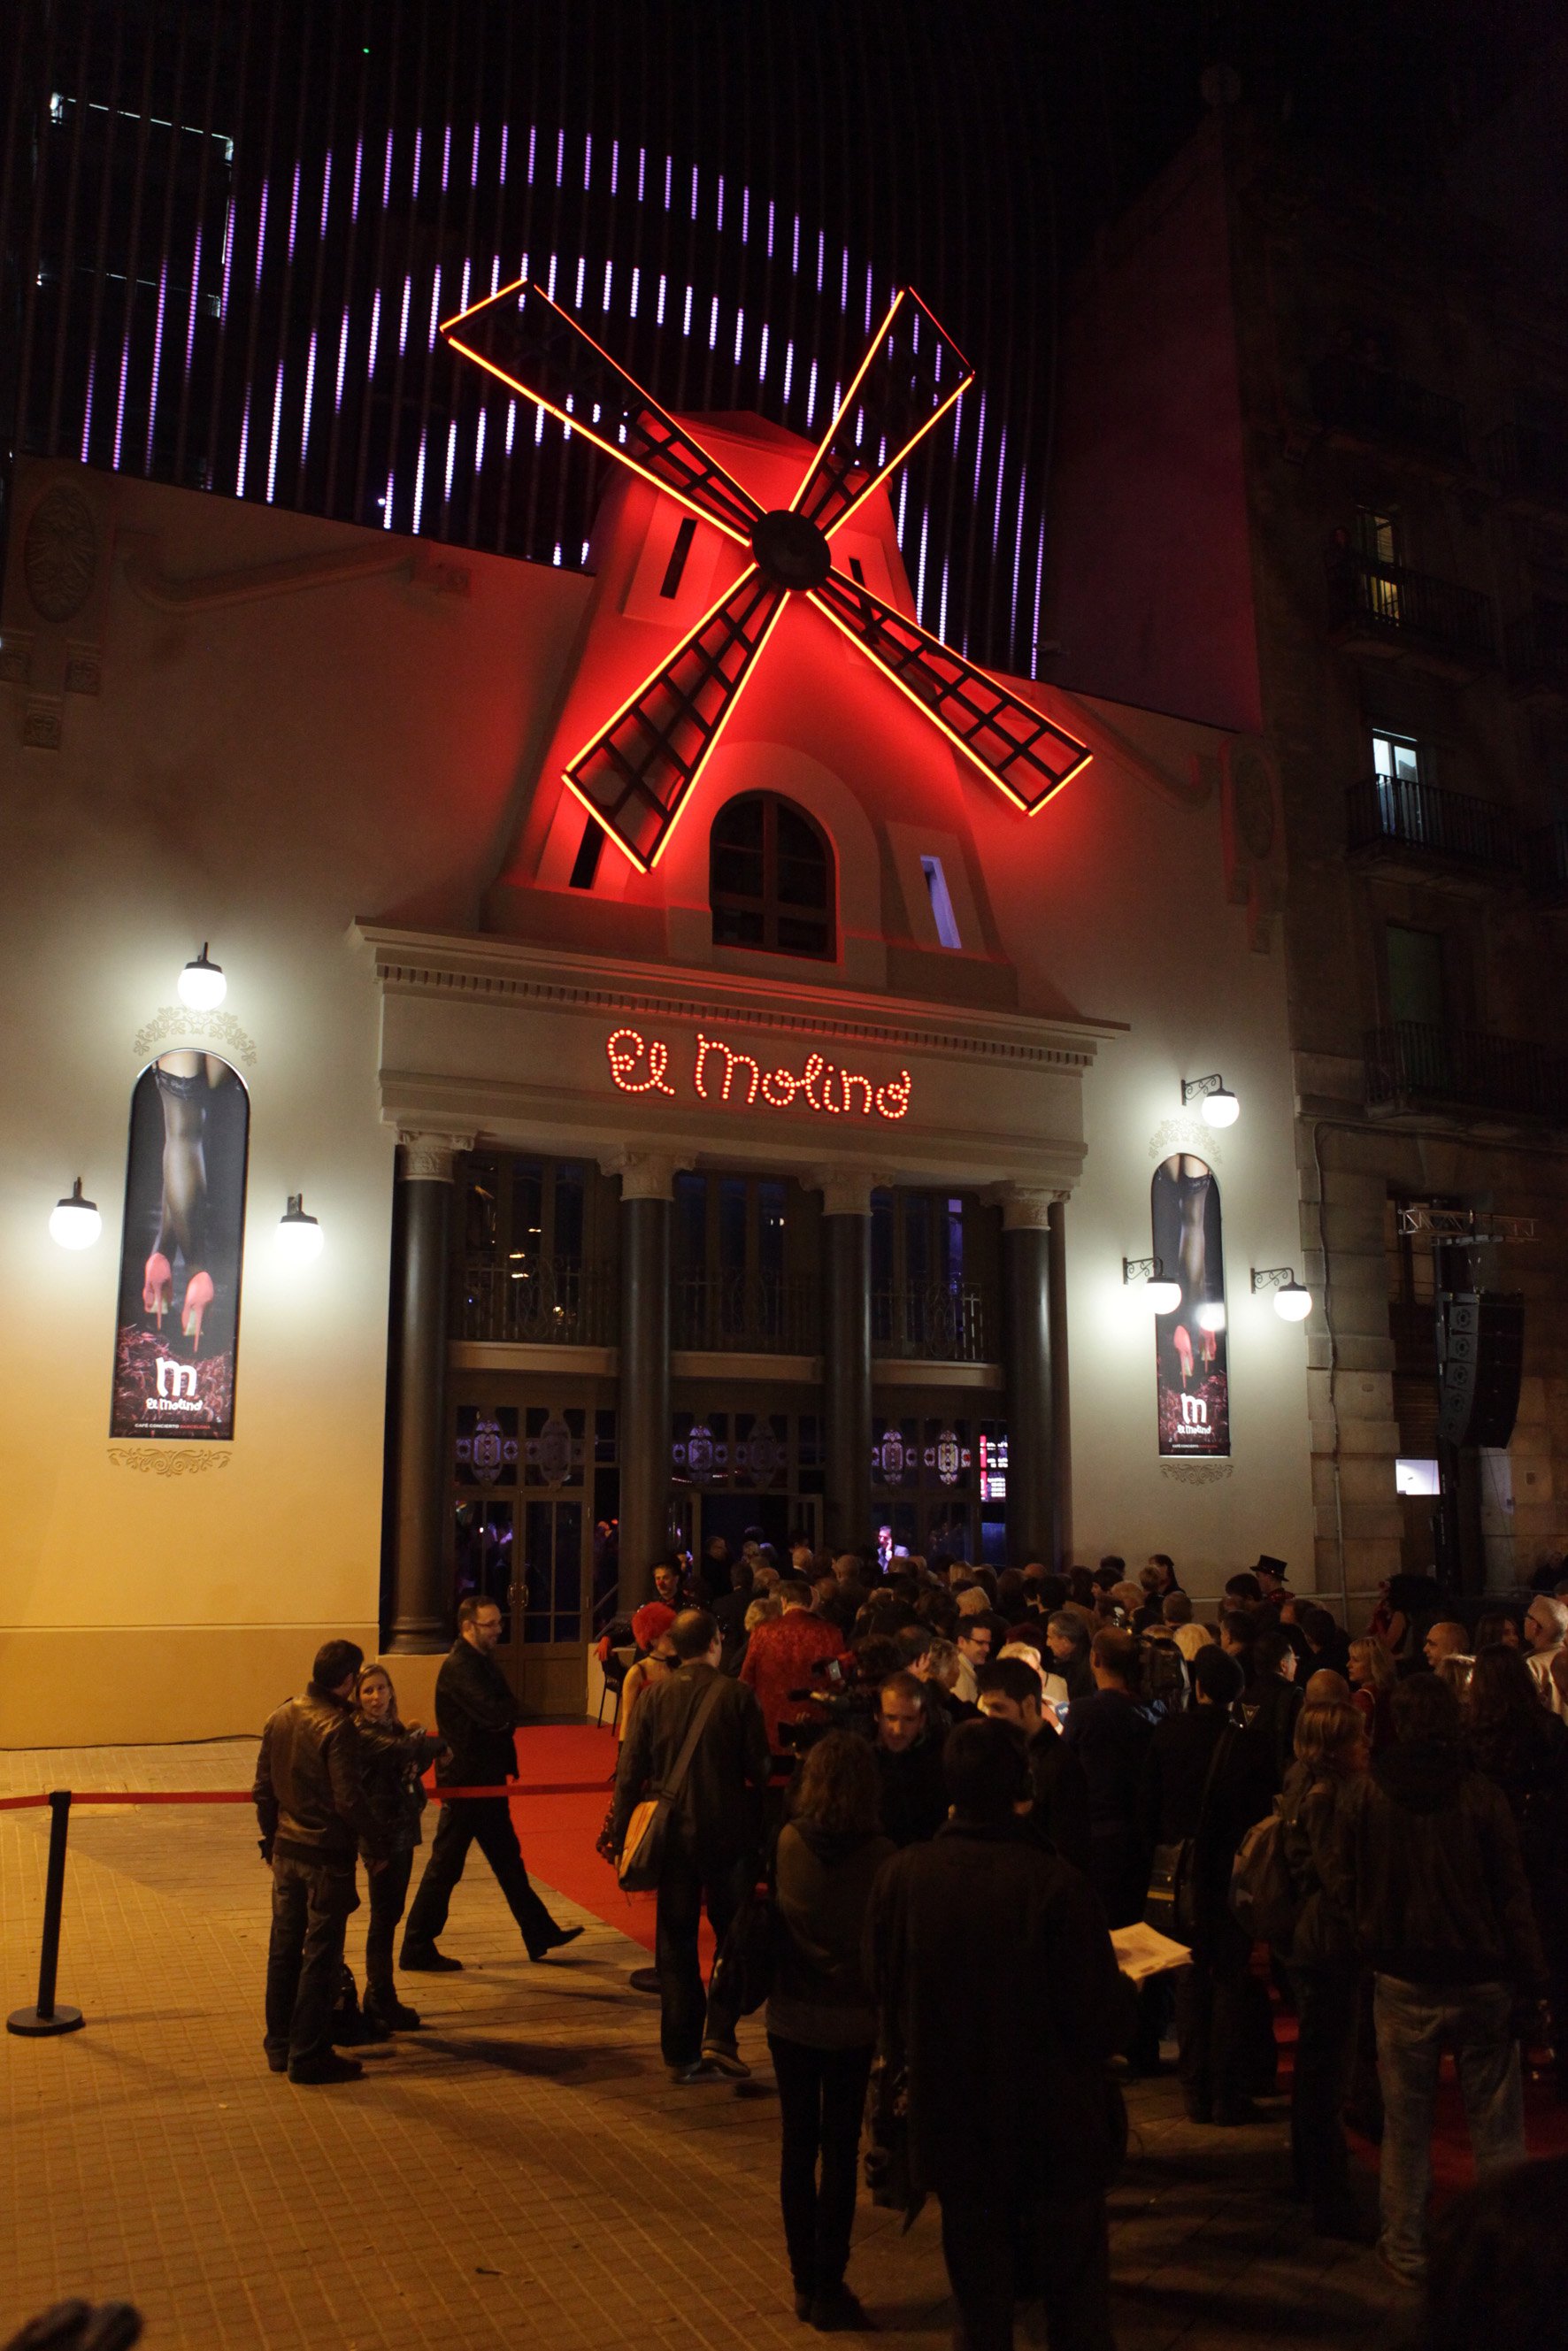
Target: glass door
point(534, 1511)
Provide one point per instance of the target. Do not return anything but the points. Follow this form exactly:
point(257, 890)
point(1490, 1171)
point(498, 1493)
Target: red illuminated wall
point(1149, 566)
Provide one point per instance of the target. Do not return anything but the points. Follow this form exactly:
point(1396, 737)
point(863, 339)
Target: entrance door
point(534, 1530)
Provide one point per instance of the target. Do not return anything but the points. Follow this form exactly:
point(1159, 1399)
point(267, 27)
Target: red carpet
point(557, 1832)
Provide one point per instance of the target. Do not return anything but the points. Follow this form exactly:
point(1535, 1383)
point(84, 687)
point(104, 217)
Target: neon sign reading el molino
point(641, 1065)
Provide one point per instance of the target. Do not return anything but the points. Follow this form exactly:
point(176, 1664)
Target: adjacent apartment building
point(1311, 483)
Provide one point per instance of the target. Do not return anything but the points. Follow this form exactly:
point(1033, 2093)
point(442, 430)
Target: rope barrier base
point(33, 2026)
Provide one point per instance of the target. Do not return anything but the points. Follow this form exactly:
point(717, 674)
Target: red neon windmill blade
point(911, 376)
point(636, 773)
point(537, 350)
point(1027, 754)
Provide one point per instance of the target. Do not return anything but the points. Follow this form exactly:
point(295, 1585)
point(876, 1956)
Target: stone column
point(1033, 1529)
point(647, 1185)
point(419, 1609)
point(1060, 1389)
point(846, 1356)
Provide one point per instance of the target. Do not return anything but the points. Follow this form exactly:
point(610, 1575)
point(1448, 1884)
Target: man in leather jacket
point(476, 1714)
point(310, 1802)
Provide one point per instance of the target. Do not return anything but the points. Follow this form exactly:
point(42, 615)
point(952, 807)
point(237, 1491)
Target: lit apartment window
point(1377, 544)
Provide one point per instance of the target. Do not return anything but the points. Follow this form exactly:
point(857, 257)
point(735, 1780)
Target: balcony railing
point(1538, 648)
point(1389, 409)
point(1391, 605)
point(1530, 465)
point(745, 1314)
point(940, 1322)
point(539, 1300)
point(1428, 826)
point(1414, 1062)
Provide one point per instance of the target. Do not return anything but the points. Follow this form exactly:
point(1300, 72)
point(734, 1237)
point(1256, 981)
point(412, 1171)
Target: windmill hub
point(790, 551)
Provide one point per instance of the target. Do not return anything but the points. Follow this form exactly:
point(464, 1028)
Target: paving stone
point(519, 2173)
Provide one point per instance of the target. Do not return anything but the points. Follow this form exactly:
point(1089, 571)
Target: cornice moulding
point(505, 976)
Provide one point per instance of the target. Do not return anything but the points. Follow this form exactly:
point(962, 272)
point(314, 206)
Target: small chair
point(616, 1668)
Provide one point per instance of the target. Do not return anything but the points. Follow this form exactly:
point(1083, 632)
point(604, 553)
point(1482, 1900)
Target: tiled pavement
point(519, 2173)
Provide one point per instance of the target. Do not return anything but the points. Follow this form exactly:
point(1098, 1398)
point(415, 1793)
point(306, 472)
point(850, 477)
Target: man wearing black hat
point(310, 1802)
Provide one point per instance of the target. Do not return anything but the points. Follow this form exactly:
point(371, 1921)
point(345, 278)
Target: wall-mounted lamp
point(1211, 1315)
point(202, 984)
point(1218, 1104)
point(1293, 1303)
point(1164, 1295)
point(74, 1222)
point(299, 1236)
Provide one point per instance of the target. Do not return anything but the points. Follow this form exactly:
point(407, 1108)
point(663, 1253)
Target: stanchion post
point(48, 2016)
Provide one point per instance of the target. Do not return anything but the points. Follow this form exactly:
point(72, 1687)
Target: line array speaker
point(1481, 1344)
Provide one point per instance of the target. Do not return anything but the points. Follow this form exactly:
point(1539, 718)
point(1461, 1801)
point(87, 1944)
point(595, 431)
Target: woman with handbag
point(1201, 1792)
point(821, 2023)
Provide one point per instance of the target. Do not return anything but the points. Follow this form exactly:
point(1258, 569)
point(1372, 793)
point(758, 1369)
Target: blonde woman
point(1372, 1677)
point(395, 1755)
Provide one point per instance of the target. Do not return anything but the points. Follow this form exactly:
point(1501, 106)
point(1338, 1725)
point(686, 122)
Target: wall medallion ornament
point(59, 553)
point(550, 1452)
point(890, 1458)
point(219, 1030)
point(487, 1451)
point(1186, 1134)
point(165, 1462)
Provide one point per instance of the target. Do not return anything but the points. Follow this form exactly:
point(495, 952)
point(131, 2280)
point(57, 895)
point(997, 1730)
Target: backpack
point(1263, 1898)
point(1164, 1678)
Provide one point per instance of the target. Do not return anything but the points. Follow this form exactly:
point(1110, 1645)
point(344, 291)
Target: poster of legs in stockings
point(1192, 1384)
point(178, 1318)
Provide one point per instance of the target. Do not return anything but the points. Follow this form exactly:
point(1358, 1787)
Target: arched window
point(771, 878)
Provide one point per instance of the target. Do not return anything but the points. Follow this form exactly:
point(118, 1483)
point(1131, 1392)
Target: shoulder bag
point(647, 1837)
point(1170, 1906)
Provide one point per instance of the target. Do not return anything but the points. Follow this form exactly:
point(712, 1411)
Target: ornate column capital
point(1026, 1207)
point(427, 1158)
point(846, 1191)
point(645, 1175)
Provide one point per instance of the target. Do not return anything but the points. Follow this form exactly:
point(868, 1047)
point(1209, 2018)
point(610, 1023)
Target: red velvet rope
point(510, 1789)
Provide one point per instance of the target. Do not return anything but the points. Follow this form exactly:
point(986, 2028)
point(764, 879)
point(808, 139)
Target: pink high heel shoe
point(198, 1298)
point(157, 1282)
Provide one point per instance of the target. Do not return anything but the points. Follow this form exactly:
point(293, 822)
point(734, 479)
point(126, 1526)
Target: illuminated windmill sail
point(638, 771)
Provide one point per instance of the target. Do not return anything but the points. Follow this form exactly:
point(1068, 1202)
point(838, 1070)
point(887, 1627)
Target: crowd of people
point(923, 1799)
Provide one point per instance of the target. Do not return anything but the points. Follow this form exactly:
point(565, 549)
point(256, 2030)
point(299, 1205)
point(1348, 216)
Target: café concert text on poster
point(178, 1317)
point(1191, 1379)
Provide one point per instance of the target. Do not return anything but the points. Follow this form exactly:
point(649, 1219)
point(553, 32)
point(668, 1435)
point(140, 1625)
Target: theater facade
point(805, 1176)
